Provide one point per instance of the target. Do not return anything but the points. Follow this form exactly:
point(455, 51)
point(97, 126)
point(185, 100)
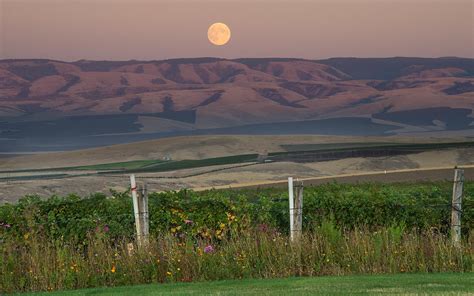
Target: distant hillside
point(393, 68)
point(46, 103)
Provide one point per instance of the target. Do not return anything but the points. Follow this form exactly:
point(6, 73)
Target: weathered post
point(298, 215)
point(143, 215)
point(295, 196)
point(140, 211)
point(291, 206)
point(295, 192)
point(456, 206)
point(136, 214)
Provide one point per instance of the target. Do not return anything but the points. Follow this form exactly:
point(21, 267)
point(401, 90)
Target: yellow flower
point(158, 261)
point(173, 230)
point(26, 236)
point(179, 269)
point(222, 225)
point(113, 269)
point(168, 273)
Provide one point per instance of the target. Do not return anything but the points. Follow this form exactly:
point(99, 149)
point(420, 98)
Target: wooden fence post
point(291, 206)
point(143, 215)
point(133, 188)
point(298, 215)
point(140, 211)
point(456, 206)
point(295, 196)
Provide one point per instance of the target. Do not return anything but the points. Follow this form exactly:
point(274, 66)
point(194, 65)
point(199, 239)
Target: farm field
point(399, 284)
point(194, 168)
point(204, 147)
point(294, 153)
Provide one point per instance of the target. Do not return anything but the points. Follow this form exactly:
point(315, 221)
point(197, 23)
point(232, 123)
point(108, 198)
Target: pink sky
point(153, 30)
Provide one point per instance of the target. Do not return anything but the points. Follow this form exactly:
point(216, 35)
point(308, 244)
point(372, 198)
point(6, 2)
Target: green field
point(126, 165)
point(425, 284)
point(188, 164)
point(313, 152)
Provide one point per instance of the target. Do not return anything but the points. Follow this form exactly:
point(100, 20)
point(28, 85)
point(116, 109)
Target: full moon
point(218, 34)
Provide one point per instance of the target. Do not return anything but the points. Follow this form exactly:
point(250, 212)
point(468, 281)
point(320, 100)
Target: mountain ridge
point(216, 94)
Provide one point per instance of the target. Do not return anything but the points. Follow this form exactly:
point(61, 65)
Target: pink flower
point(106, 228)
point(188, 222)
point(208, 249)
point(5, 225)
point(263, 227)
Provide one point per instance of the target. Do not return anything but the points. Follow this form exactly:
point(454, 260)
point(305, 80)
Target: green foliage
point(73, 242)
point(252, 253)
point(215, 213)
point(69, 218)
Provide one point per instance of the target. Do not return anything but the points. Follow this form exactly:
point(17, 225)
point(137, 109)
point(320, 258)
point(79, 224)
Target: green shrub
point(214, 213)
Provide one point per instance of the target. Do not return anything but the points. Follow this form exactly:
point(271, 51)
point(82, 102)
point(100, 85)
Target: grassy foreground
point(431, 284)
point(72, 243)
point(37, 264)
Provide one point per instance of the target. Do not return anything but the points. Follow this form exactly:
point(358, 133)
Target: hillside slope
point(61, 101)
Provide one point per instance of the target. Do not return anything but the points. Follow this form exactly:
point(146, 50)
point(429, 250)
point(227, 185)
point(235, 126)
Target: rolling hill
point(55, 105)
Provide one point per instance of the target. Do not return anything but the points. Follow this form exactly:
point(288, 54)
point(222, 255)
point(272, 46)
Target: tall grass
point(36, 263)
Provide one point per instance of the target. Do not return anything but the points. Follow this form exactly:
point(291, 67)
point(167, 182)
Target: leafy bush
point(70, 242)
point(214, 213)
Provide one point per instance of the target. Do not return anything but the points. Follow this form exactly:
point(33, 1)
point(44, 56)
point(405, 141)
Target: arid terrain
point(48, 105)
point(198, 147)
point(218, 176)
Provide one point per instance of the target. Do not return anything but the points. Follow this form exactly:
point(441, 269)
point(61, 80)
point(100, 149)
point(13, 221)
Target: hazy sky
point(147, 30)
